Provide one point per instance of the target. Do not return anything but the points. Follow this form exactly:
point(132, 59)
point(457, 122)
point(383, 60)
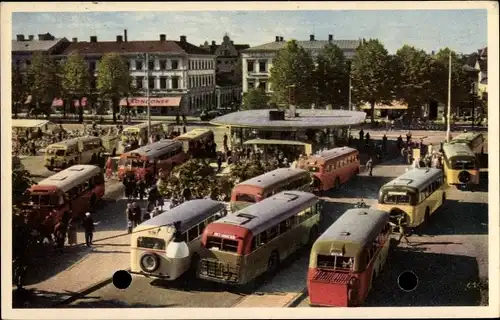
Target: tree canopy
point(255, 99)
point(76, 80)
point(18, 89)
point(43, 81)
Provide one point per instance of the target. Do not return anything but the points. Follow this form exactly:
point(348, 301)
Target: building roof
point(483, 65)
point(103, 47)
point(316, 44)
point(307, 119)
point(34, 45)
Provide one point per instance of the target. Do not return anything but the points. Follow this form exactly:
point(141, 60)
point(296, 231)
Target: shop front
point(160, 106)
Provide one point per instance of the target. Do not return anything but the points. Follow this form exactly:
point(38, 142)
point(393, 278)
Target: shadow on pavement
point(113, 303)
point(31, 298)
point(444, 280)
point(361, 186)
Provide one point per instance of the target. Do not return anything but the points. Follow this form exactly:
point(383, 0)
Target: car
point(209, 115)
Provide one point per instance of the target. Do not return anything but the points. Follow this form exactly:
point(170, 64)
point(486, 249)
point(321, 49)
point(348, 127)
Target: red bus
point(331, 168)
point(147, 160)
point(77, 188)
point(348, 257)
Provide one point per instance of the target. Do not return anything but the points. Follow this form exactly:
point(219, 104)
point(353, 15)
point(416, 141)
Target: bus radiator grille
point(218, 270)
point(331, 277)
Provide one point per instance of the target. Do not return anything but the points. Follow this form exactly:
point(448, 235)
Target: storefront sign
point(154, 102)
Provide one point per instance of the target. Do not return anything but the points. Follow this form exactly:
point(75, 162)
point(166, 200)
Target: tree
point(331, 77)
point(238, 71)
point(255, 99)
point(21, 181)
point(293, 66)
point(371, 80)
point(43, 82)
point(76, 80)
point(113, 79)
point(413, 85)
point(18, 89)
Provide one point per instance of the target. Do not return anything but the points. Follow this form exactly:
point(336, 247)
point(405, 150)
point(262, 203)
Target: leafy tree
point(76, 80)
point(43, 82)
point(413, 69)
point(18, 89)
point(113, 79)
point(238, 70)
point(21, 180)
point(255, 99)
point(331, 77)
point(371, 80)
point(293, 66)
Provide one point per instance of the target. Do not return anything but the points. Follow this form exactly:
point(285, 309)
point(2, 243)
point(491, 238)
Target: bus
point(199, 143)
point(141, 131)
point(331, 168)
point(242, 246)
point(150, 239)
point(460, 164)
point(347, 258)
point(291, 149)
point(67, 153)
point(147, 160)
point(415, 196)
point(475, 141)
point(258, 188)
point(74, 190)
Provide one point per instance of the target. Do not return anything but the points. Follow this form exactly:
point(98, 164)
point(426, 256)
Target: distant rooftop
point(311, 44)
point(44, 42)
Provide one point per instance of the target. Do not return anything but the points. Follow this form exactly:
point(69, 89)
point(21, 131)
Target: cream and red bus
point(258, 188)
point(147, 160)
point(415, 196)
point(150, 240)
point(331, 168)
point(75, 189)
point(198, 143)
point(244, 245)
point(347, 258)
point(69, 152)
point(460, 164)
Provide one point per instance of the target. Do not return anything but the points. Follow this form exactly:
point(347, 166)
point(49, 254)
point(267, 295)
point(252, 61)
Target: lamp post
point(473, 101)
point(448, 117)
point(350, 86)
point(147, 95)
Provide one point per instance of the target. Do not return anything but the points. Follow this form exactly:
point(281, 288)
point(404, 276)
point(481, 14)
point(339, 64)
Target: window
point(262, 66)
point(250, 65)
point(286, 225)
point(138, 64)
point(151, 243)
point(396, 198)
point(151, 82)
point(193, 233)
point(221, 244)
point(163, 82)
point(272, 233)
point(262, 85)
point(245, 197)
point(251, 84)
point(138, 82)
point(151, 65)
point(175, 83)
point(335, 262)
point(163, 64)
point(175, 64)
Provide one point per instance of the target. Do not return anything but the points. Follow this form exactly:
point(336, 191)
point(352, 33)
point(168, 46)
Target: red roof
point(102, 47)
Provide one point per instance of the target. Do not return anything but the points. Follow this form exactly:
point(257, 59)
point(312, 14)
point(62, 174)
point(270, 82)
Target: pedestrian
point(361, 135)
point(408, 137)
point(219, 163)
point(402, 230)
point(60, 234)
point(416, 163)
point(46, 228)
point(369, 166)
point(133, 187)
point(72, 232)
point(367, 138)
point(88, 226)
point(141, 188)
point(126, 186)
point(137, 217)
point(384, 143)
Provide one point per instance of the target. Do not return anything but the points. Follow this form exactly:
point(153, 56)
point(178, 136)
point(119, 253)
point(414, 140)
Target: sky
point(463, 31)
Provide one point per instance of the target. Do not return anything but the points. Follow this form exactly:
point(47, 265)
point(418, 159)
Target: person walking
point(219, 162)
point(402, 229)
point(60, 235)
point(88, 226)
point(369, 167)
point(72, 232)
point(137, 217)
point(141, 188)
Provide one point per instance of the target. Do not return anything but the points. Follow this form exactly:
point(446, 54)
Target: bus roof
point(189, 213)
point(457, 150)
point(70, 177)
point(157, 148)
point(356, 226)
point(415, 178)
point(270, 178)
point(259, 216)
point(193, 134)
point(28, 123)
point(274, 142)
point(141, 125)
point(466, 137)
point(74, 141)
point(332, 153)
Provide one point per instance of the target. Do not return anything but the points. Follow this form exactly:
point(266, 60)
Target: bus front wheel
point(273, 263)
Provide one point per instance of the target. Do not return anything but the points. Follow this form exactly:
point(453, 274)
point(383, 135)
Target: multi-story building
point(257, 61)
point(228, 70)
point(23, 48)
point(179, 75)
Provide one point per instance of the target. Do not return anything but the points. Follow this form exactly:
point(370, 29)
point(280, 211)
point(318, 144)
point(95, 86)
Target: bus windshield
point(152, 243)
point(222, 244)
point(463, 164)
point(335, 262)
point(134, 163)
point(396, 197)
point(42, 200)
point(245, 197)
point(57, 152)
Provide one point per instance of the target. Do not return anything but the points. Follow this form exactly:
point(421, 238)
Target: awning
point(57, 102)
point(154, 102)
point(76, 102)
point(28, 123)
point(395, 105)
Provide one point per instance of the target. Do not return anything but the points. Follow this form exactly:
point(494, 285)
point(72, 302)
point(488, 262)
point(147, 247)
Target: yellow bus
point(461, 165)
point(475, 141)
point(141, 130)
point(415, 195)
point(242, 246)
point(199, 143)
point(151, 253)
point(66, 153)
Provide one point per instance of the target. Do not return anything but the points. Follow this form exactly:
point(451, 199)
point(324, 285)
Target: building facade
point(23, 48)
point(257, 61)
point(179, 76)
point(228, 71)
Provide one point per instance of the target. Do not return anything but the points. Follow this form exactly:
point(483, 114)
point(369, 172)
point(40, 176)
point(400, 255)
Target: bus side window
point(357, 157)
point(284, 226)
point(201, 227)
point(262, 238)
point(272, 233)
point(193, 233)
point(254, 243)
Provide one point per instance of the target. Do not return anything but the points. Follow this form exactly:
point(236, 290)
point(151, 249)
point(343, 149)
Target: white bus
point(66, 153)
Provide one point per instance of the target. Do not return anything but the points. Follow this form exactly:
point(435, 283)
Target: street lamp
point(148, 103)
point(350, 86)
point(448, 129)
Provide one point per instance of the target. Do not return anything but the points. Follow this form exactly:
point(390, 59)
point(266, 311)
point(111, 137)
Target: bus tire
point(313, 235)
point(93, 201)
point(273, 262)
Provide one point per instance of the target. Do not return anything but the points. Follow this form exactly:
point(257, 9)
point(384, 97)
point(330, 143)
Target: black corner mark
point(122, 279)
point(408, 281)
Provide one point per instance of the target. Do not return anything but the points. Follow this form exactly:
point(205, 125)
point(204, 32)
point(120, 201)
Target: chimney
point(75, 39)
point(277, 39)
point(125, 35)
point(281, 39)
point(93, 38)
point(163, 37)
point(330, 37)
point(119, 38)
point(20, 37)
point(31, 37)
point(183, 39)
point(311, 37)
point(213, 42)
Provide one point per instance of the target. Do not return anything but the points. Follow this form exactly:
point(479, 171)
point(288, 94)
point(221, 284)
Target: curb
point(297, 299)
point(93, 287)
